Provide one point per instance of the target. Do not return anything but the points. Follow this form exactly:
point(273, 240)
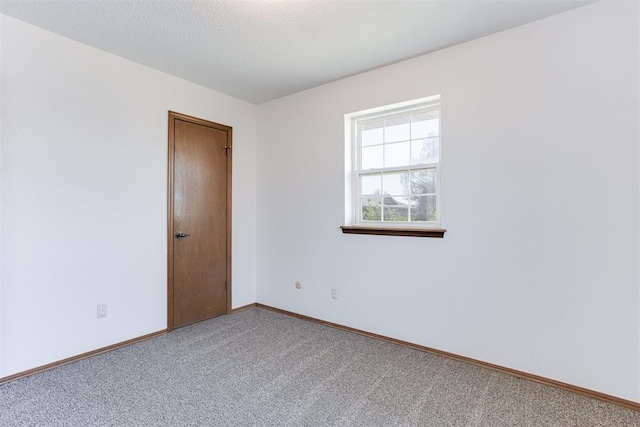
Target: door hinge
point(227, 148)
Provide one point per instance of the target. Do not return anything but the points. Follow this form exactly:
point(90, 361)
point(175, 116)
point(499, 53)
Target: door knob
point(180, 235)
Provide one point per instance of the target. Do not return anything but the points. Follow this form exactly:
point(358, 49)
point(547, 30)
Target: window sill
point(394, 231)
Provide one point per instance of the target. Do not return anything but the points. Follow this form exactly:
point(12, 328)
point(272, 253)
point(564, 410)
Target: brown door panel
point(200, 211)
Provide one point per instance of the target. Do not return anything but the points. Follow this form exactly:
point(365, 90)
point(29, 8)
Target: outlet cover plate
point(103, 309)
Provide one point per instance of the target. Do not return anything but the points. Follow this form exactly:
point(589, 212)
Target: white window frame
point(353, 172)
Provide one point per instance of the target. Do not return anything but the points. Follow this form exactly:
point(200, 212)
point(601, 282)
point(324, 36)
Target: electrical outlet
point(103, 309)
point(334, 293)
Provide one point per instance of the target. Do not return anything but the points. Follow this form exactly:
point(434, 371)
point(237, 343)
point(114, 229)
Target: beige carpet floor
point(259, 368)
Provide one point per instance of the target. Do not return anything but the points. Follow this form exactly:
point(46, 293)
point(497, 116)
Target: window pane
point(372, 133)
point(396, 154)
point(372, 157)
point(395, 183)
point(423, 181)
point(423, 208)
point(397, 129)
point(396, 208)
point(425, 150)
point(370, 209)
point(371, 184)
point(424, 125)
point(400, 201)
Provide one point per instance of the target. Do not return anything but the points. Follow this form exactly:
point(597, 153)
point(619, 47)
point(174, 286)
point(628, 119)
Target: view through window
point(397, 165)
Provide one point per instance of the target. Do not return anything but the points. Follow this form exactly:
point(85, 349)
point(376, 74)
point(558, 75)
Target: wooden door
point(199, 220)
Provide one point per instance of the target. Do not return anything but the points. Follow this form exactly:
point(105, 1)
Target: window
point(394, 172)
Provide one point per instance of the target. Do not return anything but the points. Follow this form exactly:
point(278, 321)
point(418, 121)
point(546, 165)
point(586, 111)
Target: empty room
point(320, 213)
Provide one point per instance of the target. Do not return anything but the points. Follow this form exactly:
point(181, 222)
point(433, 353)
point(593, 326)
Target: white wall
point(1, 305)
point(84, 172)
point(538, 270)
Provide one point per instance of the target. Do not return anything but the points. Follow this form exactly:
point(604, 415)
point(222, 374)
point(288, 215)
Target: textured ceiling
point(262, 50)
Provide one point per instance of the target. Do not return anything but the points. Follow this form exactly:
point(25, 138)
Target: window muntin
point(396, 170)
